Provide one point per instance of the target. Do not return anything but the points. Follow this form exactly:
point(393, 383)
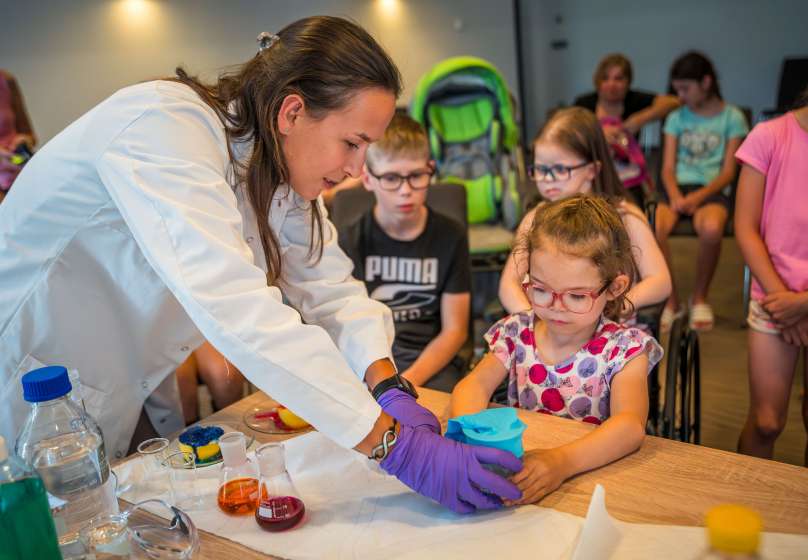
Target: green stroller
point(467, 110)
point(469, 116)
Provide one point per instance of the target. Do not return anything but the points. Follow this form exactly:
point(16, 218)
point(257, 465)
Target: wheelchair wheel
point(668, 427)
point(682, 409)
point(650, 316)
point(690, 390)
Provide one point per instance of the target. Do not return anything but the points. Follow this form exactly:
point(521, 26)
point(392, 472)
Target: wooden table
point(665, 482)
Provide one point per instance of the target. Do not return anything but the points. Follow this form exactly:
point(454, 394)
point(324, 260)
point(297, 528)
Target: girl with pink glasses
point(566, 355)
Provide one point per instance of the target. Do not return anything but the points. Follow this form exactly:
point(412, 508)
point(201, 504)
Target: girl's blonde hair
point(577, 130)
point(586, 226)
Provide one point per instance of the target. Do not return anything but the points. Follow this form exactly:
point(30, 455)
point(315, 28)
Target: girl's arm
point(669, 169)
point(654, 285)
point(725, 177)
point(474, 391)
point(511, 294)
point(621, 434)
point(748, 208)
point(662, 105)
point(454, 313)
point(785, 306)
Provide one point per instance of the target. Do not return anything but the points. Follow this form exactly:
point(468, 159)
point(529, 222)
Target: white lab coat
point(123, 247)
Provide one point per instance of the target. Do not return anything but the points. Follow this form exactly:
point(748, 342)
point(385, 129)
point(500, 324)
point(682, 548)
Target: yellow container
point(734, 529)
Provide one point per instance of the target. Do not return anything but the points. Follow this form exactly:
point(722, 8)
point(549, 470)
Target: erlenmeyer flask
point(238, 478)
point(280, 506)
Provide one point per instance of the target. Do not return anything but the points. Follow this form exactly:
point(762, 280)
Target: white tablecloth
point(354, 510)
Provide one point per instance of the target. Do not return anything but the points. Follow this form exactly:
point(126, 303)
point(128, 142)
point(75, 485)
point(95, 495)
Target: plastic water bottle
point(76, 394)
point(65, 447)
point(26, 526)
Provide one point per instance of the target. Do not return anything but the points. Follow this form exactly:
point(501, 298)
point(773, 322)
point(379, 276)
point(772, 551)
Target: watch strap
point(394, 382)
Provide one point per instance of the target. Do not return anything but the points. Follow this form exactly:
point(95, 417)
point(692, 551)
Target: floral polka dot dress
point(577, 387)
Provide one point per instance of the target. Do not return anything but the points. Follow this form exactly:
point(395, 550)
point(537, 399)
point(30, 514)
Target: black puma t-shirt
point(410, 276)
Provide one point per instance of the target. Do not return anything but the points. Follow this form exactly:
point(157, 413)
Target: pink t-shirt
point(779, 149)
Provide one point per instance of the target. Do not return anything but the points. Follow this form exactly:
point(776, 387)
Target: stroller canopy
point(456, 81)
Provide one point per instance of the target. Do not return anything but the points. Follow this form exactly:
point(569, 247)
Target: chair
point(793, 81)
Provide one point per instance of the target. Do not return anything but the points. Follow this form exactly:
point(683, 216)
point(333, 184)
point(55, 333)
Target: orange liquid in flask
point(239, 496)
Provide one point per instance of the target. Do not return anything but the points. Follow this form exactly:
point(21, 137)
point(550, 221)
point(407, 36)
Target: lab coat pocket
point(94, 400)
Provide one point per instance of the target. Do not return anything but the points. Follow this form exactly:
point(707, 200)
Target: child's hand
point(786, 307)
point(692, 202)
point(677, 202)
point(612, 133)
point(544, 470)
point(797, 334)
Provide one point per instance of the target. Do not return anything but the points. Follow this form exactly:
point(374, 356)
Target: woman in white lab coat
point(175, 212)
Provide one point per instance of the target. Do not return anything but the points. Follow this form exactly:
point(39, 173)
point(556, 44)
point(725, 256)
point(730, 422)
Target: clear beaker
point(152, 453)
point(183, 480)
point(280, 506)
point(119, 536)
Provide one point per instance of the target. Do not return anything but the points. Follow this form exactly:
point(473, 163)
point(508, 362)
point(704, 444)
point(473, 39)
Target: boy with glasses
point(412, 258)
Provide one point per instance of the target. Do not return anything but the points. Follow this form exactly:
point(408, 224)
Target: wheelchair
point(678, 415)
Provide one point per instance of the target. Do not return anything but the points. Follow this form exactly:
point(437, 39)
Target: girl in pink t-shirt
point(771, 221)
point(565, 355)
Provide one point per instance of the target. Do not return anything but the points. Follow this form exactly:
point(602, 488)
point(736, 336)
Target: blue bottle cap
point(45, 384)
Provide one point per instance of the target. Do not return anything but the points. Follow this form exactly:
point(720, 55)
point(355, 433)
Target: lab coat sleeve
point(166, 173)
point(326, 294)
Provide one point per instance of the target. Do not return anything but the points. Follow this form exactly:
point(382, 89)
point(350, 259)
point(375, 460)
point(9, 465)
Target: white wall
point(746, 40)
point(70, 54)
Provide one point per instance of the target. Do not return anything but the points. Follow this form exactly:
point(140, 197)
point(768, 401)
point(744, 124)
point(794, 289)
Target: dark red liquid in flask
point(278, 513)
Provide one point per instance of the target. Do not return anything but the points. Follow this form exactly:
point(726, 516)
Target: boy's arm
point(622, 433)
point(474, 391)
point(454, 310)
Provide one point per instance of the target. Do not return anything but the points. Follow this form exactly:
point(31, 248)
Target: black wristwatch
point(394, 382)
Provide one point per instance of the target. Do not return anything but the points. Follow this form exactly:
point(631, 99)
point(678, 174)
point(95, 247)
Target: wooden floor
point(725, 390)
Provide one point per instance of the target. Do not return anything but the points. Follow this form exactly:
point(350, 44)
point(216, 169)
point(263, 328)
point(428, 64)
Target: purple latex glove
point(450, 472)
point(404, 408)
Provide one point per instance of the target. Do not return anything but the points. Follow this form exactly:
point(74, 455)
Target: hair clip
point(266, 40)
